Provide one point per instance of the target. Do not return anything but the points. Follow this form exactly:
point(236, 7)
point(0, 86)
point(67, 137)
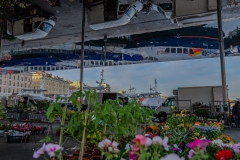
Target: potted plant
point(217, 107)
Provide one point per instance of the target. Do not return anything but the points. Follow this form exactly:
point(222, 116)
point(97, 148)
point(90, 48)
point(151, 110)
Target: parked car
point(29, 28)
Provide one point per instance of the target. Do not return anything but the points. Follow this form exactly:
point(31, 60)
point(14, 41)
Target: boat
point(151, 99)
point(195, 42)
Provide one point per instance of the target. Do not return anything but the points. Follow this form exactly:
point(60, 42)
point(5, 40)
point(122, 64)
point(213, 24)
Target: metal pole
point(222, 59)
point(1, 34)
point(82, 46)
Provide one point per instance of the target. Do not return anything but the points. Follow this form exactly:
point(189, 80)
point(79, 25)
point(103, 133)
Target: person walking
point(236, 113)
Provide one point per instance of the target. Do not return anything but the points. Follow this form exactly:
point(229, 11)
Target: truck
point(190, 97)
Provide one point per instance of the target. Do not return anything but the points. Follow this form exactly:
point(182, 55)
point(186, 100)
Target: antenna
point(155, 81)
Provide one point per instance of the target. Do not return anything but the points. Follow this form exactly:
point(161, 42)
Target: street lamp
point(105, 49)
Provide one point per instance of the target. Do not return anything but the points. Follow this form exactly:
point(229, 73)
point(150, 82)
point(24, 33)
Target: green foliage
point(202, 113)
point(2, 111)
point(212, 149)
point(42, 105)
point(46, 140)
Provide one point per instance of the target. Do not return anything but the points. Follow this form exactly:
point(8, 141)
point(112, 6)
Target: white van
point(30, 28)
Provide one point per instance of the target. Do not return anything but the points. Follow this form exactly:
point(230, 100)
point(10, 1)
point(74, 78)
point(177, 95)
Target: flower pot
point(225, 109)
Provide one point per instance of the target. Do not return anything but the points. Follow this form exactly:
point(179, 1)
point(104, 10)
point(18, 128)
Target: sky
point(169, 75)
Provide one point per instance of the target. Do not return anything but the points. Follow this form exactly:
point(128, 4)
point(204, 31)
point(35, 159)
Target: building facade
point(53, 84)
point(14, 83)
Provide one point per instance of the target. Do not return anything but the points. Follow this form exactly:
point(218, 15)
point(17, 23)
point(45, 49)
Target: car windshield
point(131, 12)
point(46, 27)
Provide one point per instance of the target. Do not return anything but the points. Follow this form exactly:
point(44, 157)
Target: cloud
point(169, 75)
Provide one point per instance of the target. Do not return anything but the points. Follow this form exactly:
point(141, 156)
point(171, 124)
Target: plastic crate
point(18, 139)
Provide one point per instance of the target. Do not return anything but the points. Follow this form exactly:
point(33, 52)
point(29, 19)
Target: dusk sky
point(169, 75)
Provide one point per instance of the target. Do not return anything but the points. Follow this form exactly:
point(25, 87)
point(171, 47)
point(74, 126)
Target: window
point(46, 27)
point(18, 78)
point(25, 78)
point(185, 50)
point(191, 51)
point(9, 83)
point(13, 91)
point(13, 83)
point(0, 81)
point(10, 76)
point(179, 50)
point(22, 78)
point(17, 84)
point(0, 89)
point(21, 85)
point(4, 90)
point(173, 50)
point(17, 90)
point(25, 85)
point(13, 77)
point(8, 90)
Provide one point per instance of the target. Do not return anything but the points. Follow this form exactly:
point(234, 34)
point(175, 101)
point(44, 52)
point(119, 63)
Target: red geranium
point(225, 154)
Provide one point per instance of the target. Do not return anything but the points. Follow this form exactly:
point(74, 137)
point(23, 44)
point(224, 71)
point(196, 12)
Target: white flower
point(148, 142)
point(163, 142)
point(51, 148)
point(128, 147)
point(218, 142)
point(172, 156)
point(104, 143)
point(39, 152)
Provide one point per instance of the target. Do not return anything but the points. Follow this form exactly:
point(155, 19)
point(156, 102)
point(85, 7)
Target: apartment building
point(53, 84)
point(14, 83)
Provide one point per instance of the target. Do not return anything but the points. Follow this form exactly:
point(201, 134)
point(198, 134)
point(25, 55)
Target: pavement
point(234, 133)
point(68, 27)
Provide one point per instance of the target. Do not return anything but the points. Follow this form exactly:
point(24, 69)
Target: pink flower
point(52, 148)
point(133, 155)
point(107, 144)
point(163, 142)
point(198, 144)
point(135, 147)
point(172, 156)
point(104, 143)
point(140, 139)
point(191, 153)
point(39, 152)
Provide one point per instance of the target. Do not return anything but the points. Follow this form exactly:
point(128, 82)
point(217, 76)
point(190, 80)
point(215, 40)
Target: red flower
point(225, 154)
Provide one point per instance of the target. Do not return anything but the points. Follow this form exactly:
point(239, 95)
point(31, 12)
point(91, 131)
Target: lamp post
point(222, 59)
point(82, 46)
point(105, 50)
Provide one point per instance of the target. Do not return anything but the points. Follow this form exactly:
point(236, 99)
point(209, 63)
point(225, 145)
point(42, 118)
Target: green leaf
point(46, 140)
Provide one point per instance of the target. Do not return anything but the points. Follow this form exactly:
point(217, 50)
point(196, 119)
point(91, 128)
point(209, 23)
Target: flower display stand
point(17, 137)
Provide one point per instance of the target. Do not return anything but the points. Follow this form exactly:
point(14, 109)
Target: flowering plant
point(109, 148)
point(53, 150)
point(198, 149)
point(210, 132)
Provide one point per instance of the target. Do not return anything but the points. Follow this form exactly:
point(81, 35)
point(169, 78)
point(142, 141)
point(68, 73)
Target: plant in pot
point(2, 111)
point(217, 107)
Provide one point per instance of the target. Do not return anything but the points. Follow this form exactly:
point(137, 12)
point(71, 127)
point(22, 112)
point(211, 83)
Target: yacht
point(195, 42)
